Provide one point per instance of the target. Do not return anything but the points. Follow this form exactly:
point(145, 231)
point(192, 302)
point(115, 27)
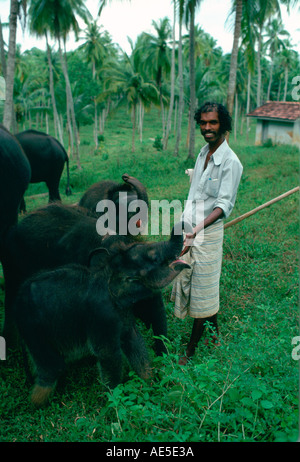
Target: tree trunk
point(270, 79)
point(248, 103)
point(133, 116)
point(279, 90)
point(70, 104)
point(235, 115)
point(2, 53)
point(10, 69)
point(95, 123)
point(180, 78)
point(141, 120)
point(57, 124)
point(286, 78)
point(234, 56)
point(258, 95)
point(166, 138)
point(191, 154)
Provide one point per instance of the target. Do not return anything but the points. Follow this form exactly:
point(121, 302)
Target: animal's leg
point(153, 314)
point(110, 364)
point(53, 187)
point(48, 365)
point(135, 350)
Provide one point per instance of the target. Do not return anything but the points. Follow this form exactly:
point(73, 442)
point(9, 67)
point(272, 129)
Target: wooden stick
point(267, 204)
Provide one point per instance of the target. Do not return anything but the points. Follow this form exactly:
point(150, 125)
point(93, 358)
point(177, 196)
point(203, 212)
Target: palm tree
point(288, 59)
point(94, 46)
point(190, 8)
point(265, 10)
point(157, 57)
point(168, 127)
point(38, 26)
point(274, 30)
point(2, 51)
point(59, 18)
point(248, 48)
point(95, 50)
point(234, 55)
point(126, 79)
point(180, 77)
point(10, 66)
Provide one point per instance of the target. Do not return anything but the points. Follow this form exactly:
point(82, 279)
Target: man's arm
point(209, 220)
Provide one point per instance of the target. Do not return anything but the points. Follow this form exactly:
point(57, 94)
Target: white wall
point(278, 132)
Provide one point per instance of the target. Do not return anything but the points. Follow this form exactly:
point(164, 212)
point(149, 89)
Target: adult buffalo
point(15, 176)
point(47, 158)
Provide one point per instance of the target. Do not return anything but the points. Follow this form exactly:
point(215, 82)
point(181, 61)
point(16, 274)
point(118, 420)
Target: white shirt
point(216, 186)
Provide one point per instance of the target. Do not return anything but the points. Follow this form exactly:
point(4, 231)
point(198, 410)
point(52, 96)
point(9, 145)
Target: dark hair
point(224, 116)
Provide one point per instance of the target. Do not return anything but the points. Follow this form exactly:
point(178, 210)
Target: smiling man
point(214, 186)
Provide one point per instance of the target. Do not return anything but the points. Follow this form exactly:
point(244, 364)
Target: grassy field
point(244, 390)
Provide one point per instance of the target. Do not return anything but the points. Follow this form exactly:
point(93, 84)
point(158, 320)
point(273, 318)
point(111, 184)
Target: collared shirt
point(216, 186)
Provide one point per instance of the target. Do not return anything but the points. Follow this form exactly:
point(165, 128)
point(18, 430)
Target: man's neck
point(213, 147)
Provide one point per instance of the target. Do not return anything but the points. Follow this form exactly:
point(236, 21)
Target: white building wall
point(279, 132)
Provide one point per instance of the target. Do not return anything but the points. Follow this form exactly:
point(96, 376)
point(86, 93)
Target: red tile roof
point(277, 110)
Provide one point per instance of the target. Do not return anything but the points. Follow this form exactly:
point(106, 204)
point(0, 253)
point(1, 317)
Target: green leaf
point(256, 394)
point(266, 404)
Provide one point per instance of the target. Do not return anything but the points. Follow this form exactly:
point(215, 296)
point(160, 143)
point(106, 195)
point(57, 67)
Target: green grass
point(244, 390)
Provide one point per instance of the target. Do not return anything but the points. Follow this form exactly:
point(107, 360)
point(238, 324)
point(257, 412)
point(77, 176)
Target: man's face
point(210, 127)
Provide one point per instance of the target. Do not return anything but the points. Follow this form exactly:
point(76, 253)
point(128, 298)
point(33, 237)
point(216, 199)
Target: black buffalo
point(76, 311)
point(47, 158)
point(15, 175)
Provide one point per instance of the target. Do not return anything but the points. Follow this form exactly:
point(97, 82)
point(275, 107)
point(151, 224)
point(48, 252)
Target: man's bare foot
point(213, 341)
point(183, 360)
point(187, 357)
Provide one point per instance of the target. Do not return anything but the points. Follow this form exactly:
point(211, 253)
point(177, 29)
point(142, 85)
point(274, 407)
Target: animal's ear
point(98, 257)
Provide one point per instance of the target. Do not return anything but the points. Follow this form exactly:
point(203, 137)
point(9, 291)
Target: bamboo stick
point(257, 209)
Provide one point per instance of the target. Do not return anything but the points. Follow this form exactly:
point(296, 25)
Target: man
point(213, 189)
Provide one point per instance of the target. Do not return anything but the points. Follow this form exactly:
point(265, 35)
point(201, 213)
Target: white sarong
point(196, 290)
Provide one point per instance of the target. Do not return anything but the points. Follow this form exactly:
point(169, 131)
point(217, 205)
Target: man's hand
point(188, 242)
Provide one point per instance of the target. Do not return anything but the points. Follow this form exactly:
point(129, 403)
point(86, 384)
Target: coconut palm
point(288, 59)
point(59, 18)
point(38, 26)
point(157, 58)
point(180, 4)
point(10, 65)
point(168, 126)
point(274, 32)
point(234, 55)
point(2, 51)
point(189, 14)
point(125, 79)
point(95, 49)
point(264, 11)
